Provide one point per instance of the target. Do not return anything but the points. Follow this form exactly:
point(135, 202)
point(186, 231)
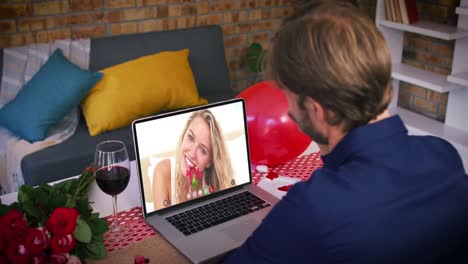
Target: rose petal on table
point(285, 188)
point(272, 175)
point(141, 260)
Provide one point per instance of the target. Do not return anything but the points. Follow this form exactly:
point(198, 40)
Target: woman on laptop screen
point(201, 165)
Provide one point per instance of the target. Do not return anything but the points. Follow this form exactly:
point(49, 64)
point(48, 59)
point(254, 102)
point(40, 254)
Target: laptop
point(195, 193)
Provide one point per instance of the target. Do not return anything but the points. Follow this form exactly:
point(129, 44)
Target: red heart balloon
point(274, 138)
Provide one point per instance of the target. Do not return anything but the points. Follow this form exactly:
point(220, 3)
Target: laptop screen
point(190, 154)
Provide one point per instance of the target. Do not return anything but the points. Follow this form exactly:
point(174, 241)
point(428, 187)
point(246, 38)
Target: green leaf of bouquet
point(4, 209)
point(45, 187)
point(30, 209)
point(41, 196)
point(25, 193)
point(57, 200)
point(71, 201)
point(73, 187)
point(97, 249)
point(82, 231)
point(99, 237)
point(94, 216)
point(99, 225)
point(64, 186)
point(81, 251)
point(83, 208)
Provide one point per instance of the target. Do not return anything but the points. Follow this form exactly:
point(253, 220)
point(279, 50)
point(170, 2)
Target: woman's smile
point(189, 163)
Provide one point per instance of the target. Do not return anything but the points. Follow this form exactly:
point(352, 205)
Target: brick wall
point(243, 22)
point(430, 54)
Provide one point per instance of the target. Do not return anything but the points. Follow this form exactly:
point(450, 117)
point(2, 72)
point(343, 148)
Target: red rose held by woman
point(12, 224)
point(62, 221)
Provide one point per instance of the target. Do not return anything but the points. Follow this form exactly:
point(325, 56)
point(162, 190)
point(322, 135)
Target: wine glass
point(112, 172)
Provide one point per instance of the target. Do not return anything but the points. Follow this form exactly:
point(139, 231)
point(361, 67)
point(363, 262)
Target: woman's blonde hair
point(220, 173)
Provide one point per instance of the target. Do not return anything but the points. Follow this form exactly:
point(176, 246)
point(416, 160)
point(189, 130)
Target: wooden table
point(155, 247)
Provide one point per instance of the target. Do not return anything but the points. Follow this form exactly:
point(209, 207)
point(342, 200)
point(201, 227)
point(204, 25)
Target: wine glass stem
point(115, 224)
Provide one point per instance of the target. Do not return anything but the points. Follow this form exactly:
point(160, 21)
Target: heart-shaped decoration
point(272, 175)
point(285, 188)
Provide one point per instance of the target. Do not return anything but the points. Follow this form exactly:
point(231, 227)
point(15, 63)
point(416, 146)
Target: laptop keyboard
point(215, 213)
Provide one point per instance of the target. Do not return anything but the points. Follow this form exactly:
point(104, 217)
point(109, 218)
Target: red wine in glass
point(112, 171)
point(113, 179)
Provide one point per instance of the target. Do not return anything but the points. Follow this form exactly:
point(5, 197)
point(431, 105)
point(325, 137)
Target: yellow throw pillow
point(141, 87)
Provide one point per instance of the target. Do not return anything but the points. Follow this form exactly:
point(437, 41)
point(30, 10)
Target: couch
point(208, 63)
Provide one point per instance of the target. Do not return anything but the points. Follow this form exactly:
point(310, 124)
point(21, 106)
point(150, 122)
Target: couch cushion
point(138, 88)
point(220, 96)
point(52, 92)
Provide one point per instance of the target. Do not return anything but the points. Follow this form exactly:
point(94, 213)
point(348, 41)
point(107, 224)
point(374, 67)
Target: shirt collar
point(362, 137)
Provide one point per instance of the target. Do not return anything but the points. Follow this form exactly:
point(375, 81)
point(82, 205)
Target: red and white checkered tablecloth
point(135, 229)
point(300, 167)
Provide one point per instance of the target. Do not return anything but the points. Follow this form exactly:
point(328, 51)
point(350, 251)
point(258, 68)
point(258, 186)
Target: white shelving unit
point(429, 29)
point(433, 81)
point(462, 11)
point(460, 78)
point(455, 128)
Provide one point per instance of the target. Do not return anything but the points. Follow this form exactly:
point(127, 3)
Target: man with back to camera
point(382, 196)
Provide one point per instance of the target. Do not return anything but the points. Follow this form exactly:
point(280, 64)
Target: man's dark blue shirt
point(382, 196)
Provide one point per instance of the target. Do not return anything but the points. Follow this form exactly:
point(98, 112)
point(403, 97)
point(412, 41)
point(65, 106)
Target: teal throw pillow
point(52, 93)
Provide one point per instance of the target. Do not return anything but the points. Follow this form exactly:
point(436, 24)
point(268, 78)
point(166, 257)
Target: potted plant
point(255, 56)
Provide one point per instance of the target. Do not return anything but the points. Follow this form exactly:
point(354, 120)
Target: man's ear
point(314, 109)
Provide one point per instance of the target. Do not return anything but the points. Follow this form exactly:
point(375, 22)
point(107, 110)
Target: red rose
point(73, 260)
point(39, 259)
point(90, 168)
point(3, 245)
point(62, 244)
point(141, 260)
point(36, 240)
point(17, 252)
point(3, 259)
point(12, 224)
point(62, 221)
point(58, 259)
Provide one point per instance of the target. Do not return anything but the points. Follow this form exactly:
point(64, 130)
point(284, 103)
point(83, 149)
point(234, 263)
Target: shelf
point(421, 125)
point(461, 10)
point(424, 125)
point(456, 129)
point(459, 78)
point(433, 81)
point(430, 29)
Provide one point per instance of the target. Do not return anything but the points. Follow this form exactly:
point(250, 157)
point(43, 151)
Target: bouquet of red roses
point(52, 224)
